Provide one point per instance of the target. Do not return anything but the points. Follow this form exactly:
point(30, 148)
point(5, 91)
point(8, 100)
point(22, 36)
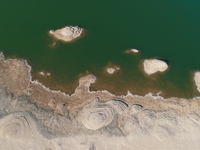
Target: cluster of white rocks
point(152, 66)
point(67, 33)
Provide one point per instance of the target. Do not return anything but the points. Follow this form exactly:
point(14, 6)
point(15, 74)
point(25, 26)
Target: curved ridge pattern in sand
point(97, 117)
point(16, 127)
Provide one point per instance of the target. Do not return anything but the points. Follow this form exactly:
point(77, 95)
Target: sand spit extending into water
point(35, 117)
point(67, 34)
point(152, 66)
point(197, 80)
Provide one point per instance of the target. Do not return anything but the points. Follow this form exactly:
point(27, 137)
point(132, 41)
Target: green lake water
point(167, 30)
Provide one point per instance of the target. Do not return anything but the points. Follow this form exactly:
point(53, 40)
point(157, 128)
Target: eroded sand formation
point(152, 66)
point(34, 117)
point(67, 34)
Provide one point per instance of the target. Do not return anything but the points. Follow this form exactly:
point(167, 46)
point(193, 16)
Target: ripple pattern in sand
point(15, 128)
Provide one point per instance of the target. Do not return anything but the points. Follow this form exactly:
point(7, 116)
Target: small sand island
point(131, 51)
point(134, 50)
point(67, 34)
point(112, 70)
point(152, 66)
point(197, 80)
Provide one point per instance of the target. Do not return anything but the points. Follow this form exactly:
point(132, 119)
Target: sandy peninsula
point(67, 34)
point(33, 116)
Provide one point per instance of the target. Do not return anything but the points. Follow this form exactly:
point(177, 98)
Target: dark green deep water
point(166, 29)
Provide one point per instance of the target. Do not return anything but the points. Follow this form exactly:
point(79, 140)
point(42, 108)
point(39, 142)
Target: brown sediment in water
point(16, 76)
point(118, 84)
point(166, 89)
point(52, 83)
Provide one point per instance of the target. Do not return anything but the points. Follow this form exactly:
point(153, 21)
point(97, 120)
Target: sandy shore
point(33, 116)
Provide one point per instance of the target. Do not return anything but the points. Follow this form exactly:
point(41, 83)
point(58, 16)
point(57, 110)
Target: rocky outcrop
point(152, 66)
point(67, 34)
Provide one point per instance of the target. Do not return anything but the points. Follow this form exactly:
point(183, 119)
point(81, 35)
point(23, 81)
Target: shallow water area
point(168, 30)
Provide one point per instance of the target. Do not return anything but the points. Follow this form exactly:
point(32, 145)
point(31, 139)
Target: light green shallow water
point(163, 29)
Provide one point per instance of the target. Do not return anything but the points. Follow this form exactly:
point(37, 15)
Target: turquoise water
point(160, 29)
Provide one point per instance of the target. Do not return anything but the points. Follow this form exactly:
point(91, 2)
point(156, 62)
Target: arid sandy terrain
point(33, 117)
